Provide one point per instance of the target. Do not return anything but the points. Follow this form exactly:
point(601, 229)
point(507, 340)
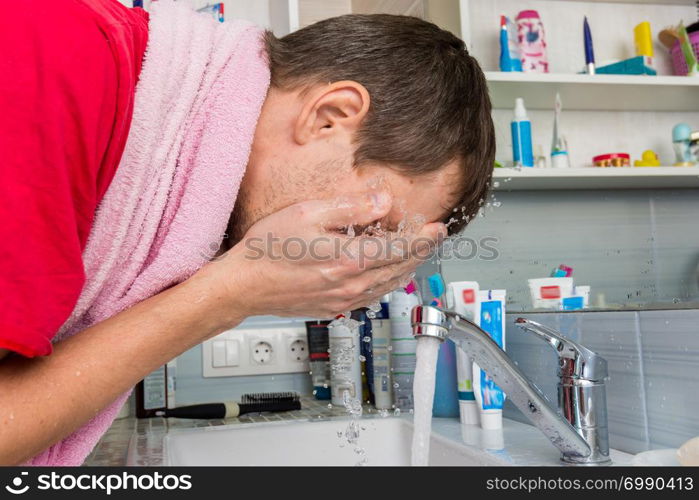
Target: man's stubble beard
point(241, 220)
point(290, 184)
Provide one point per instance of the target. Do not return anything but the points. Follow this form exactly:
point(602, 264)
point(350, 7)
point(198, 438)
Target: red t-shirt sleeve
point(68, 71)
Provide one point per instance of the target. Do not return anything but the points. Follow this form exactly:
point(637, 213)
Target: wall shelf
point(595, 92)
point(511, 179)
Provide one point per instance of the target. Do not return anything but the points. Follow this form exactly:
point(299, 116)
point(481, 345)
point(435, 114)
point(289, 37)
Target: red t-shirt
point(68, 71)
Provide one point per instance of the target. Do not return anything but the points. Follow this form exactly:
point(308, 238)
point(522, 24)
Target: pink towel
point(198, 100)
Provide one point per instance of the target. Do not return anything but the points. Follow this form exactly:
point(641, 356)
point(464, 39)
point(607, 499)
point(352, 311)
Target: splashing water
point(373, 308)
point(351, 433)
point(423, 397)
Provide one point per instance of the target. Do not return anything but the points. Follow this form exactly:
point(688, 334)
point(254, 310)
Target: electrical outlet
point(298, 351)
point(279, 348)
point(262, 352)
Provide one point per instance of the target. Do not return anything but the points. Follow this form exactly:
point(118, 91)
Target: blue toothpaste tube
point(489, 397)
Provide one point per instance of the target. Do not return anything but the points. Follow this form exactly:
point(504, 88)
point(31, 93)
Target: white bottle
point(345, 365)
point(383, 384)
point(463, 297)
point(403, 348)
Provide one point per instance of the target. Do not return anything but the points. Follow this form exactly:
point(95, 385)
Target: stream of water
point(423, 397)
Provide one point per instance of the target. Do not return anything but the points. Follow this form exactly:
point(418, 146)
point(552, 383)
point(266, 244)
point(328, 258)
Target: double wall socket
point(256, 351)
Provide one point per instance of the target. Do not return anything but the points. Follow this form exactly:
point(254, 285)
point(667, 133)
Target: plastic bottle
point(532, 42)
point(366, 354)
point(521, 136)
point(403, 348)
point(317, 334)
point(345, 366)
point(446, 393)
point(383, 385)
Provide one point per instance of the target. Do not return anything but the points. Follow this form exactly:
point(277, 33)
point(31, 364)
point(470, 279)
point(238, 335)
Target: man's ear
point(339, 107)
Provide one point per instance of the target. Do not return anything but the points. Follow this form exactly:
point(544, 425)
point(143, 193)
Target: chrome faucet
point(579, 428)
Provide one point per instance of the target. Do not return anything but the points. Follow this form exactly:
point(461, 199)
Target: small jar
point(612, 160)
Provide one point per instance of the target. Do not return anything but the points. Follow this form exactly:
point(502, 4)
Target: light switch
point(218, 348)
point(232, 353)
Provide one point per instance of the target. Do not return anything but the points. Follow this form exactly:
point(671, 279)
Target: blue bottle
point(522, 153)
point(446, 395)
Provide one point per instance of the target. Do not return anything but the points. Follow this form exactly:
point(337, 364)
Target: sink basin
point(386, 441)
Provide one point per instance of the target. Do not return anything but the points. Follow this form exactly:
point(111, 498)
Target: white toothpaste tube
point(548, 293)
point(463, 297)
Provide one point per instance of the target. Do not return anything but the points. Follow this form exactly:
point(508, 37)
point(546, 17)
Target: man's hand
point(300, 261)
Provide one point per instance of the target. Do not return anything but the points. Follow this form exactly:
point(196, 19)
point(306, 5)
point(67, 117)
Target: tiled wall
point(653, 359)
point(634, 246)
point(192, 388)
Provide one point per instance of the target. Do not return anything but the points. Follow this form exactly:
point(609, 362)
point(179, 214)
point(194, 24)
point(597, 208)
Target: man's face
point(296, 157)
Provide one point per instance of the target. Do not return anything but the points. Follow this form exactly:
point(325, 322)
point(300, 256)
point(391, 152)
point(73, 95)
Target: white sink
point(386, 441)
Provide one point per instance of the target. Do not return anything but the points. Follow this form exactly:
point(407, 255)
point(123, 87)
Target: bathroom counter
point(148, 433)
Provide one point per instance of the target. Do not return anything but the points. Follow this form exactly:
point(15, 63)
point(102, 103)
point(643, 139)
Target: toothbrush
point(436, 284)
point(589, 49)
point(559, 147)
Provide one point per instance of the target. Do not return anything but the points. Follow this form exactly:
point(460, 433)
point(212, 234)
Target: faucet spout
point(431, 321)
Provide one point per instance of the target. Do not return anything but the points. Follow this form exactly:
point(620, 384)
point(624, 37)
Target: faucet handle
point(576, 360)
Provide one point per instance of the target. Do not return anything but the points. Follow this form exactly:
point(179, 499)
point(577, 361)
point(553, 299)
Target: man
point(369, 122)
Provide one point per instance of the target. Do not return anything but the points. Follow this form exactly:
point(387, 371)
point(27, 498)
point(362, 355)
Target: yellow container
point(643, 39)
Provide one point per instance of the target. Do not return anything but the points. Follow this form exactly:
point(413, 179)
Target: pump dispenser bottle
point(521, 136)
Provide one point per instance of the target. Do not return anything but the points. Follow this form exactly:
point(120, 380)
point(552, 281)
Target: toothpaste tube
point(489, 397)
point(463, 297)
point(548, 293)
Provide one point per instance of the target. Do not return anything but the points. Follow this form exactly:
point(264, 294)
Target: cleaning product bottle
point(510, 57)
point(521, 127)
